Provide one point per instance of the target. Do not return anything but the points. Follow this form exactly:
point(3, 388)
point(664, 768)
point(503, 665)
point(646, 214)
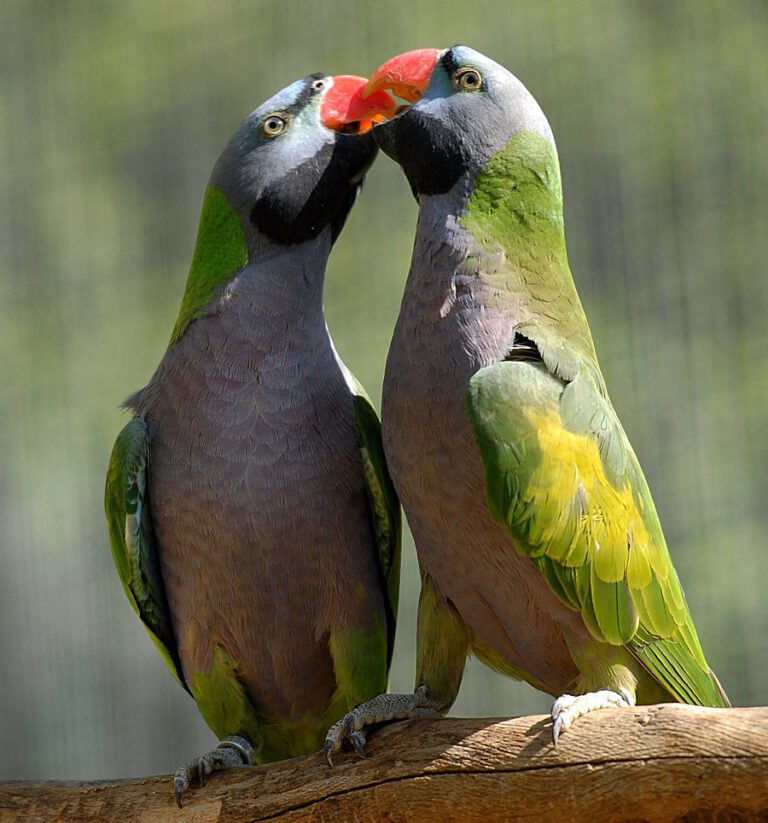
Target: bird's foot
point(234, 752)
point(568, 708)
point(381, 709)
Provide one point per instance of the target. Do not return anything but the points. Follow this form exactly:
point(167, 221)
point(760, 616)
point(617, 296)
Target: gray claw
point(358, 741)
point(328, 752)
point(381, 709)
point(568, 708)
point(233, 752)
point(180, 783)
point(556, 726)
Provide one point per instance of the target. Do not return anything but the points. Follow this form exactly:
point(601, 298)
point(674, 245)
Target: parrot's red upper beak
point(406, 75)
point(346, 108)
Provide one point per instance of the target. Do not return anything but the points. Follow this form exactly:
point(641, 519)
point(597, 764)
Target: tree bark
point(660, 763)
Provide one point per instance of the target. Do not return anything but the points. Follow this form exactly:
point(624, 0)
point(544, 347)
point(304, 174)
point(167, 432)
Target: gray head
point(295, 164)
point(289, 174)
point(465, 107)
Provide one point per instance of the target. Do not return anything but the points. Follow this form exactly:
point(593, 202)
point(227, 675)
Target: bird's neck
point(497, 238)
point(250, 275)
point(262, 328)
point(516, 207)
point(281, 289)
point(230, 260)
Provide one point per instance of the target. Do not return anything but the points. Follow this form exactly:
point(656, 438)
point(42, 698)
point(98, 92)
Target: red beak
point(345, 108)
point(406, 75)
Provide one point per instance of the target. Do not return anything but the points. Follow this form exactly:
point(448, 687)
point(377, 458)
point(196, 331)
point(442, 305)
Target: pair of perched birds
point(252, 517)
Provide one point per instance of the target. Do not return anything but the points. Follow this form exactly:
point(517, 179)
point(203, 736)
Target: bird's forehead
point(465, 56)
point(293, 97)
point(441, 85)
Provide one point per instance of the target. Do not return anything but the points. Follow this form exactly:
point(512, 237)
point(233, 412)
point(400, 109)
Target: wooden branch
point(659, 763)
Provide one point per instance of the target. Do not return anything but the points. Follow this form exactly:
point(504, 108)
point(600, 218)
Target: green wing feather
point(133, 540)
point(562, 476)
point(383, 501)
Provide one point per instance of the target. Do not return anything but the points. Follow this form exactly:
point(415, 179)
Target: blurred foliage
point(111, 116)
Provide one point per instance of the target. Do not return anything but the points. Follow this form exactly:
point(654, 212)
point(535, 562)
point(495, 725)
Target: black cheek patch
point(307, 200)
point(432, 156)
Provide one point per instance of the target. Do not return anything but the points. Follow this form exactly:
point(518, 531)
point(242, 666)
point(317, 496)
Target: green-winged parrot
point(538, 541)
point(252, 520)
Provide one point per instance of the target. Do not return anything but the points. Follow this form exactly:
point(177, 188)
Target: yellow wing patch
point(575, 501)
point(581, 516)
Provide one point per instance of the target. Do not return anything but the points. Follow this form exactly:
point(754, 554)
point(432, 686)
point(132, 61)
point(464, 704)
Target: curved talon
point(381, 709)
point(179, 784)
point(328, 751)
point(358, 741)
point(233, 752)
point(186, 775)
point(567, 709)
point(334, 738)
point(556, 730)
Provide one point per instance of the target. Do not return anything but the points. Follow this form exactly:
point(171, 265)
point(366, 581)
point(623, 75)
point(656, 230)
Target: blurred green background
point(111, 116)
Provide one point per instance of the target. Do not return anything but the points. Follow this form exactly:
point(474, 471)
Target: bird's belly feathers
point(258, 500)
point(437, 471)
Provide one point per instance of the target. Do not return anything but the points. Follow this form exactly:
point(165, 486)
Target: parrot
point(539, 546)
point(252, 520)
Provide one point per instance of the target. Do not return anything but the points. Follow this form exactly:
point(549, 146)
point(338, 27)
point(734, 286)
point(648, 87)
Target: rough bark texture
point(660, 763)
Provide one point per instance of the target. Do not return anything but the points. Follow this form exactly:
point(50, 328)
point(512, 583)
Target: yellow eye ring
point(273, 125)
point(467, 79)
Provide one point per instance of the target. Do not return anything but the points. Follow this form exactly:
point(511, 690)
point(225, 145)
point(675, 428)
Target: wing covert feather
point(133, 540)
point(383, 502)
point(562, 476)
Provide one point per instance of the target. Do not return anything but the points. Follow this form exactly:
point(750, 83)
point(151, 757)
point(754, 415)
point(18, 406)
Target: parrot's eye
point(273, 125)
point(467, 79)
point(318, 85)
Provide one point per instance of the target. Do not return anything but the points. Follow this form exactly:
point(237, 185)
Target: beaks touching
point(406, 75)
point(354, 104)
point(347, 108)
